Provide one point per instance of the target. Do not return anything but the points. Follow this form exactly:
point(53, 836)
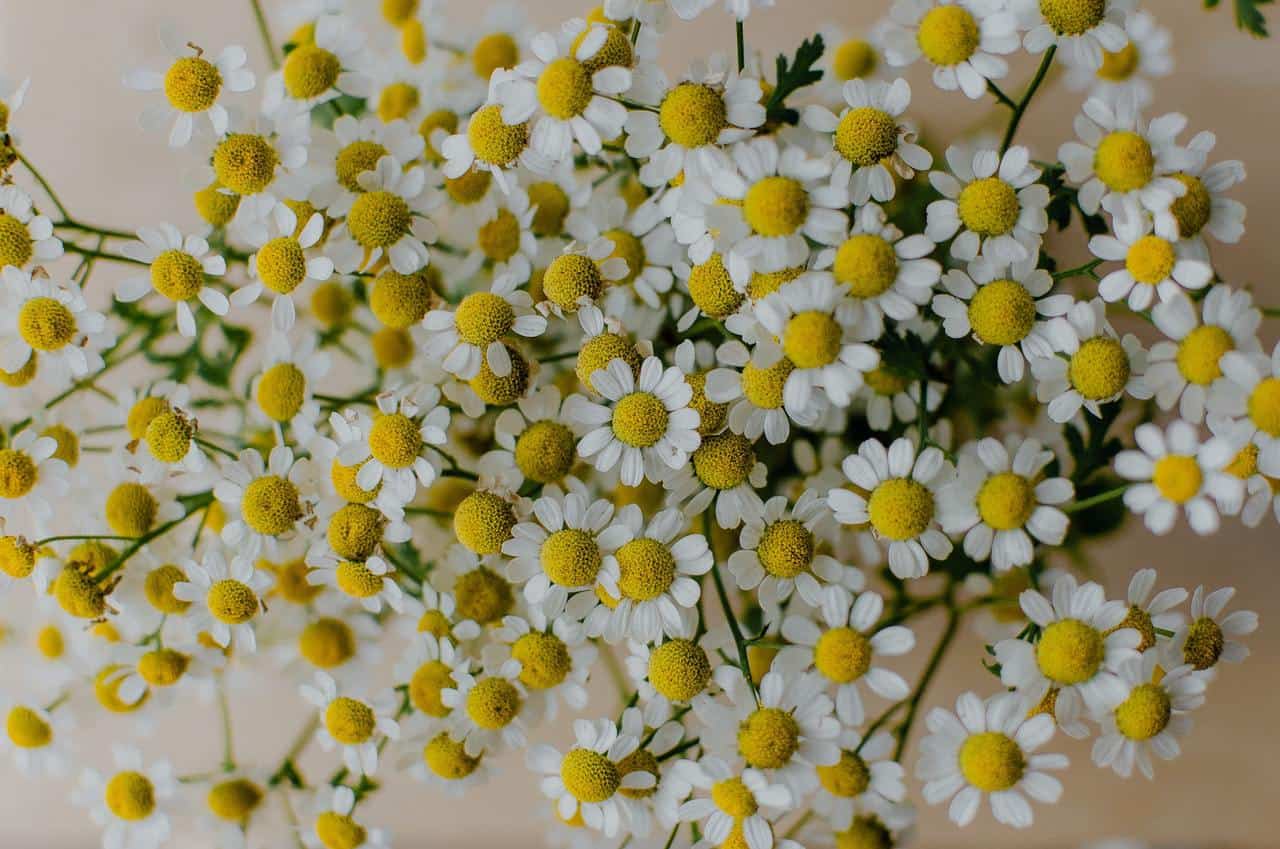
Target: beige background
point(79, 125)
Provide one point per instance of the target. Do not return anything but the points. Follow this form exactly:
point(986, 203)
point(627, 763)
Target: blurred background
point(79, 126)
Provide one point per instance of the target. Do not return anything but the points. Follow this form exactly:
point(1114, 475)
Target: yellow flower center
point(768, 738)
point(1070, 652)
point(168, 436)
point(901, 508)
point(106, 689)
point(564, 88)
point(641, 760)
point(281, 391)
point(22, 376)
point(232, 602)
point(598, 351)
point(885, 382)
point(271, 505)
point(1264, 406)
point(499, 237)
point(711, 415)
point(544, 659)
point(867, 264)
point(1124, 160)
point(379, 219)
point(589, 776)
point(494, 51)
point(615, 52)
point(398, 12)
point(426, 686)
point(282, 265)
point(762, 284)
point(483, 596)
point(68, 450)
point(15, 241)
point(483, 318)
point(395, 440)
point(1204, 644)
point(163, 667)
point(1002, 312)
point(733, 797)
point(17, 557)
point(639, 419)
point(570, 558)
point(435, 623)
point(1006, 501)
point(812, 339)
point(234, 800)
point(948, 35)
point(338, 831)
point(776, 206)
point(245, 163)
point(356, 158)
point(1099, 369)
point(1120, 65)
point(842, 655)
point(989, 207)
point(1245, 464)
point(392, 347)
point(331, 304)
point(177, 275)
point(46, 324)
point(853, 60)
point(1150, 260)
point(544, 451)
point(130, 796)
point(992, 761)
point(349, 721)
point(448, 758)
point(493, 703)
point(712, 289)
point(483, 522)
point(552, 206)
point(866, 135)
point(1145, 713)
point(724, 461)
point(1073, 17)
point(786, 548)
point(629, 248)
point(310, 71)
point(355, 579)
point(192, 84)
point(679, 669)
point(848, 777)
point(570, 278)
point(215, 208)
point(647, 569)
point(763, 387)
point(1178, 477)
point(494, 141)
point(18, 473)
point(141, 414)
point(693, 115)
point(131, 509)
point(401, 300)
point(327, 642)
point(502, 391)
point(158, 589)
point(26, 729)
point(397, 101)
point(1193, 210)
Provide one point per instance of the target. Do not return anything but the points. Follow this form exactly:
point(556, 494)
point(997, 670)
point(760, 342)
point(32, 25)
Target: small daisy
point(329, 65)
point(1204, 207)
point(1001, 500)
point(191, 85)
point(723, 469)
point(128, 805)
point(1082, 31)
point(535, 441)
point(424, 670)
point(1152, 265)
point(354, 725)
point(996, 205)
point(1172, 469)
point(866, 778)
point(844, 648)
point(51, 322)
point(486, 710)
point(371, 581)
point(1210, 636)
point(353, 148)
point(890, 397)
point(461, 337)
point(333, 809)
point(867, 135)
point(1152, 718)
point(28, 237)
point(488, 143)
point(587, 781)
point(32, 481)
point(744, 799)
point(37, 738)
point(393, 453)
point(850, 55)
point(641, 237)
point(959, 38)
point(387, 218)
point(439, 760)
point(1126, 74)
point(901, 503)
point(647, 425)
point(261, 161)
point(555, 661)
point(180, 270)
point(759, 403)
point(1249, 402)
point(280, 264)
point(1098, 368)
point(579, 276)
point(670, 671)
point(504, 240)
point(291, 376)
point(263, 500)
point(988, 749)
point(229, 598)
point(1079, 652)
point(1152, 613)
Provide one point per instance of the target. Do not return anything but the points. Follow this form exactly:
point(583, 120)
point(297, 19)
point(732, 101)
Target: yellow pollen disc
point(848, 777)
point(93, 555)
point(18, 473)
point(232, 602)
point(711, 415)
point(639, 419)
point(865, 832)
point(163, 667)
point(131, 509)
point(245, 163)
point(234, 800)
point(355, 159)
point(158, 589)
point(733, 797)
point(552, 207)
point(379, 219)
point(564, 88)
point(26, 729)
point(398, 12)
point(1124, 161)
point(282, 265)
point(712, 289)
point(948, 35)
point(397, 101)
point(78, 594)
point(281, 391)
point(192, 84)
point(812, 339)
point(647, 569)
point(1121, 65)
point(357, 581)
point(629, 248)
point(22, 376)
point(544, 451)
point(1264, 406)
point(349, 721)
point(1073, 17)
point(598, 351)
point(1178, 477)
point(866, 263)
point(762, 284)
point(448, 758)
point(1245, 464)
point(1006, 501)
point(483, 522)
point(570, 558)
point(435, 623)
point(483, 318)
point(413, 43)
point(395, 440)
point(693, 115)
point(130, 796)
point(177, 275)
point(1002, 312)
point(571, 277)
point(338, 831)
point(327, 643)
point(989, 207)
point(215, 208)
point(1139, 620)
point(499, 237)
point(493, 703)
point(49, 643)
point(46, 324)
point(901, 508)
point(1150, 260)
point(768, 738)
point(786, 548)
point(679, 669)
point(291, 581)
point(15, 241)
point(1145, 713)
point(331, 304)
point(1193, 210)
point(842, 655)
point(502, 391)
point(776, 206)
point(992, 761)
point(425, 688)
point(447, 120)
point(168, 436)
point(494, 141)
point(763, 387)
point(483, 596)
point(270, 505)
point(724, 461)
point(866, 135)
point(853, 60)
point(310, 71)
point(589, 776)
point(494, 51)
point(1099, 369)
point(106, 689)
point(68, 450)
point(1204, 645)
point(17, 557)
point(1070, 652)
point(401, 300)
point(544, 659)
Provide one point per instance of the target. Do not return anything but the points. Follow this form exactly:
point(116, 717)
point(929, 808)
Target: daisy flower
point(1184, 370)
point(332, 63)
point(129, 804)
point(50, 322)
point(1248, 401)
point(442, 762)
point(579, 276)
point(352, 148)
point(386, 218)
point(865, 779)
point(291, 375)
point(849, 56)
point(1098, 367)
point(1127, 73)
point(988, 749)
point(1204, 208)
point(587, 780)
point(32, 479)
point(263, 500)
point(670, 671)
point(1210, 636)
point(1152, 265)
point(555, 660)
point(653, 577)
point(354, 725)
point(28, 237)
point(961, 39)
point(36, 738)
point(1152, 613)
point(461, 337)
point(744, 799)
point(779, 554)
point(485, 711)
point(535, 440)
point(723, 469)
point(1152, 718)
point(845, 647)
point(1081, 30)
point(888, 273)
point(1173, 469)
point(504, 240)
point(1078, 655)
point(646, 426)
point(901, 501)
point(180, 268)
point(757, 397)
point(426, 668)
point(280, 264)
point(996, 205)
point(192, 85)
point(371, 581)
point(393, 453)
point(1003, 503)
point(488, 143)
point(261, 161)
point(228, 598)
point(641, 237)
point(333, 821)
point(809, 321)
point(867, 135)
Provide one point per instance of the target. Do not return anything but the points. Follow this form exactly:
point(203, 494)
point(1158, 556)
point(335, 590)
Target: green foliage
point(1249, 16)
point(793, 76)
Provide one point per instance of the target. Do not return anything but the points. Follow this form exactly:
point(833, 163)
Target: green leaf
point(1248, 16)
point(792, 76)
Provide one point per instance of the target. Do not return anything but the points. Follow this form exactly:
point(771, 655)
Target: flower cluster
point(493, 367)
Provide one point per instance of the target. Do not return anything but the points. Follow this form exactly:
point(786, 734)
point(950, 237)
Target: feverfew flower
point(1127, 73)
point(1082, 30)
point(1152, 265)
point(461, 338)
point(1152, 718)
point(331, 64)
point(1210, 636)
point(28, 237)
point(1172, 469)
point(128, 805)
point(227, 598)
point(996, 204)
point(354, 725)
point(263, 501)
point(179, 270)
point(51, 322)
point(587, 780)
point(1099, 366)
point(959, 38)
point(281, 264)
point(1249, 402)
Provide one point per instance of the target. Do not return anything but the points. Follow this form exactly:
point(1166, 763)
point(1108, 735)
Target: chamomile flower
point(1204, 208)
point(1248, 403)
point(504, 240)
point(1003, 503)
point(32, 479)
point(535, 441)
point(555, 660)
point(443, 763)
point(898, 495)
point(1210, 636)
point(587, 780)
point(353, 148)
point(989, 749)
point(1079, 653)
point(1174, 470)
point(647, 425)
point(850, 55)
point(473, 331)
point(1152, 265)
point(225, 598)
point(51, 322)
point(370, 581)
point(386, 219)
point(1127, 73)
point(37, 739)
point(723, 469)
point(961, 39)
point(264, 500)
point(670, 671)
point(393, 454)
point(779, 554)
point(866, 778)
point(334, 825)
point(1099, 367)
point(25, 237)
point(1151, 613)
point(488, 143)
point(281, 265)
point(426, 668)
point(641, 237)
point(993, 201)
point(868, 139)
point(332, 63)
point(129, 804)
point(180, 268)
point(744, 799)
point(291, 376)
point(260, 161)
point(1081, 29)
point(486, 710)
point(759, 402)
point(353, 725)
point(192, 85)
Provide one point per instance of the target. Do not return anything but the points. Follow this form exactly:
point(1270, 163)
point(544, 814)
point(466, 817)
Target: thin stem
point(1271, 312)
point(742, 47)
point(743, 661)
point(1079, 271)
point(286, 770)
point(555, 358)
point(65, 537)
point(44, 184)
point(226, 452)
point(224, 711)
point(797, 825)
point(70, 247)
point(198, 503)
point(72, 224)
point(1001, 97)
point(1095, 500)
point(268, 43)
point(931, 669)
point(1021, 108)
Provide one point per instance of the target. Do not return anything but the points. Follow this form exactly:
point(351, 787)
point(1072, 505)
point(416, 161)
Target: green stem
point(1021, 108)
point(1094, 501)
point(268, 43)
point(1079, 271)
point(931, 669)
point(1271, 312)
point(44, 184)
point(224, 711)
point(72, 224)
point(742, 47)
point(70, 247)
point(286, 770)
point(65, 537)
point(1001, 97)
point(555, 358)
point(734, 629)
point(226, 452)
